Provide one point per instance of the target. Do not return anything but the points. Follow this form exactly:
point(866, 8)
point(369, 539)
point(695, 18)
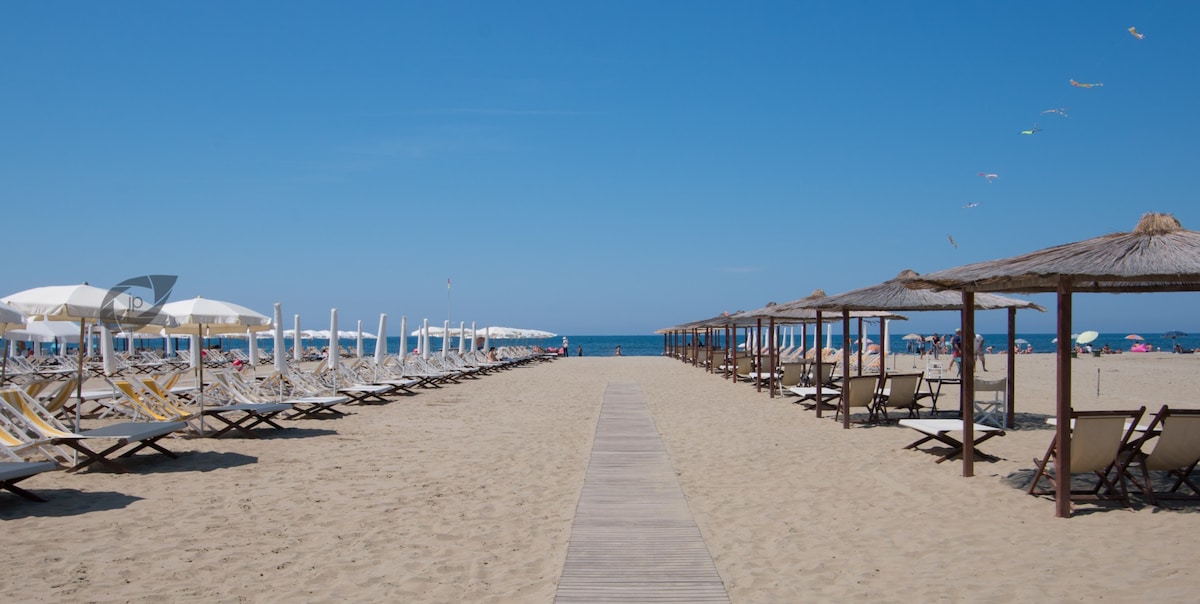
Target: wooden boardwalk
point(634, 538)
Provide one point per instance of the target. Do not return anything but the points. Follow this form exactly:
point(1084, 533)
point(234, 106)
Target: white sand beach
point(467, 494)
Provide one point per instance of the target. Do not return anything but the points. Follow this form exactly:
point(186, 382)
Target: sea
point(653, 345)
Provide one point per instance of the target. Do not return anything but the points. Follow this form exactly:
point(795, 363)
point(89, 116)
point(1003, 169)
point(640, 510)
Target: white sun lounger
point(940, 429)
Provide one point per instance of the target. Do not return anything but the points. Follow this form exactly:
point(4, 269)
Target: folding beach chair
point(1098, 441)
point(1175, 438)
point(136, 435)
point(859, 394)
point(991, 402)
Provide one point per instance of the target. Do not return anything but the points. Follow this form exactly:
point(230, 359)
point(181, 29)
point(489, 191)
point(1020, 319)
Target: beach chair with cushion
point(859, 395)
point(900, 393)
point(1170, 444)
point(1099, 439)
point(991, 402)
point(941, 430)
point(135, 435)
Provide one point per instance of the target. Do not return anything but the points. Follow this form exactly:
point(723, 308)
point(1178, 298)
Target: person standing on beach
point(979, 350)
point(956, 349)
point(579, 350)
point(566, 351)
point(618, 350)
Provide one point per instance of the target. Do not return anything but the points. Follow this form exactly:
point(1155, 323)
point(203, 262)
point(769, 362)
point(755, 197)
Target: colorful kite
point(1086, 85)
point(1032, 131)
point(1060, 111)
point(974, 204)
point(1134, 31)
point(989, 176)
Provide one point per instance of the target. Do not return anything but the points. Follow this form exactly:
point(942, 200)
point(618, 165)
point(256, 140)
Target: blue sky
point(585, 167)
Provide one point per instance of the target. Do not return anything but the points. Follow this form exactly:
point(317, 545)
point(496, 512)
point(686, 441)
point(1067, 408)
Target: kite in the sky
point(973, 204)
point(1060, 111)
point(952, 241)
point(1086, 85)
point(1031, 131)
point(1134, 31)
point(989, 176)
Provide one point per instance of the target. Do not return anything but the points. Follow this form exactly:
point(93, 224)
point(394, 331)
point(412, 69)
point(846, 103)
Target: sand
point(466, 494)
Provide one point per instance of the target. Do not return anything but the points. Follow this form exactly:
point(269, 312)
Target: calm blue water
point(652, 345)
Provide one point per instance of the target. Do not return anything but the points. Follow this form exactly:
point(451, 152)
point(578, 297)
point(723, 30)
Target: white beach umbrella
point(487, 338)
point(203, 316)
point(253, 349)
point(10, 318)
point(85, 304)
point(474, 335)
point(425, 339)
point(194, 347)
point(446, 338)
point(280, 358)
point(462, 341)
point(358, 344)
point(381, 344)
point(45, 331)
point(334, 355)
point(403, 338)
point(108, 354)
point(297, 349)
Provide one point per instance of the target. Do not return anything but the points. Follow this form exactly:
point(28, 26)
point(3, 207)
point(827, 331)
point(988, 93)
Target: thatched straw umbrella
point(895, 295)
point(1157, 256)
point(801, 311)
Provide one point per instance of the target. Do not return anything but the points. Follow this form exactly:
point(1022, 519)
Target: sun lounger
point(808, 396)
point(12, 472)
point(940, 430)
point(135, 435)
point(304, 404)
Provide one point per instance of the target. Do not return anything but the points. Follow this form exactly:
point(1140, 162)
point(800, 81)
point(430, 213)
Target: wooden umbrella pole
point(1011, 420)
point(967, 390)
point(846, 374)
point(820, 354)
point(1062, 440)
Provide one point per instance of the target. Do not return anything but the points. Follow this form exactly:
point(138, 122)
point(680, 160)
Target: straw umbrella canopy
point(894, 294)
point(809, 309)
point(1158, 255)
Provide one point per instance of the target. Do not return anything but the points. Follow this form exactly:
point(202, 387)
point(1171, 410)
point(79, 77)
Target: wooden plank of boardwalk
point(634, 538)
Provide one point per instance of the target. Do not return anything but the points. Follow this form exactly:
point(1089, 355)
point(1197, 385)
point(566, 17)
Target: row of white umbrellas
point(197, 317)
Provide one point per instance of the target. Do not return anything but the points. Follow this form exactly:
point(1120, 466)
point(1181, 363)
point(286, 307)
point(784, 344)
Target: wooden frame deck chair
point(991, 402)
point(859, 394)
point(241, 417)
point(135, 435)
point(743, 369)
point(13, 469)
point(1098, 441)
point(901, 392)
point(792, 375)
point(1175, 436)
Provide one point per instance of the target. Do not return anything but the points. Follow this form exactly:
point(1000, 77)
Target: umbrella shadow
point(62, 503)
